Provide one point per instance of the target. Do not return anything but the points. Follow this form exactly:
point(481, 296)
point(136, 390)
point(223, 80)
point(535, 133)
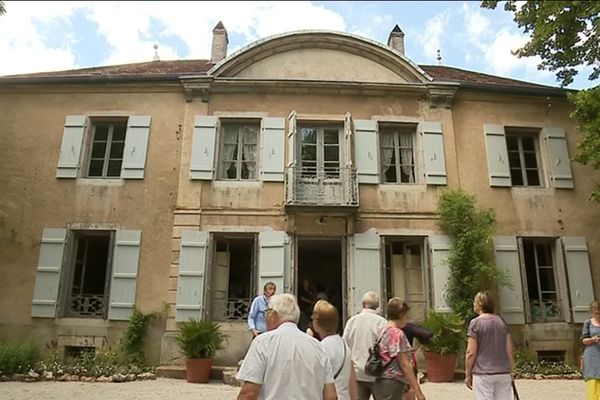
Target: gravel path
point(180, 390)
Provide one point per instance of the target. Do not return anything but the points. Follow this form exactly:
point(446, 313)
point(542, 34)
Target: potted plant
point(447, 341)
point(199, 340)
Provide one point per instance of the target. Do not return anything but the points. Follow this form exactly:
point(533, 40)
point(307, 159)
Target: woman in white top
point(325, 320)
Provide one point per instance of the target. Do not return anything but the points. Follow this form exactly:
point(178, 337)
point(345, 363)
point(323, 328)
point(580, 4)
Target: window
point(319, 151)
point(86, 293)
point(106, 149)
point(232, 278)
point(541, 280)
point(239, 150)
point(523, 157)
point(398, 154)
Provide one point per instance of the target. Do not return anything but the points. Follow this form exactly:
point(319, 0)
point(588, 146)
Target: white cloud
point(432, 37)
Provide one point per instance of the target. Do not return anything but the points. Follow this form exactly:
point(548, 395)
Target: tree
point(2, 8)
point(566, 35)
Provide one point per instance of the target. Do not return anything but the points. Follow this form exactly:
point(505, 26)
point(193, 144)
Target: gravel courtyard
point(180, 390)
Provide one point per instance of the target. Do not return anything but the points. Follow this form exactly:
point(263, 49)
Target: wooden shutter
point(507, 260)
point(439, 245)
point(136, 146)
point(70, 149)
point(580, 277)
point(348, 159)
point(273, 142)
point(365, 271)
point(365, 142)
point(190, 283)
point(203, 147)
point(558, 158)
point(497, 155)
point(291, 161)
point(123, 283)
point(272, 259)
point(433, 153)
point(47, 278)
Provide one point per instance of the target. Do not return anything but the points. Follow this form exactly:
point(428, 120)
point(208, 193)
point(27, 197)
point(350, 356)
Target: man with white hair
point(285, 363)
point(360, 333)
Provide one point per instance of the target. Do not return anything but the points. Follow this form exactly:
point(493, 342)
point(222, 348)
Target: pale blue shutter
point(366, 267)
point(511, 298)
point(433, 153)
point(580, 278)
point(558, 158)
point(272, 259)
point(365, 143)
point(497, 155)
point(273, 149)
point(190, 281)
point(126, 255)
point(203, 147)
point(47, 278)
point(70, 149)
point(439, 246)
point(136, 146)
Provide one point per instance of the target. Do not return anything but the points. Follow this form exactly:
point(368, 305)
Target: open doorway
point(320, 275)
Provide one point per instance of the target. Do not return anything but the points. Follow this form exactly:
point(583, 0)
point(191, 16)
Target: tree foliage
point(471, 259)
point(2, 8)
point(566, 35)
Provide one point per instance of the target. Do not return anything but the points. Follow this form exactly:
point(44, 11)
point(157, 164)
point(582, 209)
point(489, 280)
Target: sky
point(53, 36)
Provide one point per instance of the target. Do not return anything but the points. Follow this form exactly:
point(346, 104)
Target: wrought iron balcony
point(328, 187)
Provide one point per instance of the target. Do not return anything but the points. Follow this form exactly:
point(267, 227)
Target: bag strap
point(343, 362)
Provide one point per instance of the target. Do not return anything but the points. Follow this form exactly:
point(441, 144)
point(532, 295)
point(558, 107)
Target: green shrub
point(200, 338)
point(526, 366)
point(132, 340)
point(448, 332)
point(17, 357)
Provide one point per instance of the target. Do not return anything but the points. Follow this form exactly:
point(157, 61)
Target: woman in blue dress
point(590, 336)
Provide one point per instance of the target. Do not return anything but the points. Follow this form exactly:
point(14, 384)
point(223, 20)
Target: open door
point(221, 283)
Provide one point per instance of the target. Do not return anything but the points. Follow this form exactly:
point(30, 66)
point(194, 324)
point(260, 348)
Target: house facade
point(185, 186)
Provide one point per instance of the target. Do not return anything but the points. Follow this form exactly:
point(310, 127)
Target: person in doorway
point(256, 316)
point(325, 320)
point(285, 363)
point(489, 356)
point(360, 333)
point(590, 336)
point(307, 297)
point(394, 349)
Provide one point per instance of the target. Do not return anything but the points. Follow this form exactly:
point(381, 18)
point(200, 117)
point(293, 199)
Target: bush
point(526, 366)
point(132, 340)
point(200, 338)
point(448, 332)
point(17, 357)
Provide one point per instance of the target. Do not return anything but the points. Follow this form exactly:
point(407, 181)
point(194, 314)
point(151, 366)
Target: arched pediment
point(322, 56)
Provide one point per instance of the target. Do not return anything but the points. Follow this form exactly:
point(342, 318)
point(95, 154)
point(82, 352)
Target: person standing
point(360, 333)
point(395, 351)
point(325, 320)
point(284, 362)
point(590, 337)
point(256, 316)
point(489, 356)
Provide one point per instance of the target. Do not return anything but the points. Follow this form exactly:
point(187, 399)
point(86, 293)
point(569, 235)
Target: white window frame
point(519, 134)
point(111, 122)
point(320, 170)
point(240, 124)
point(397, 129)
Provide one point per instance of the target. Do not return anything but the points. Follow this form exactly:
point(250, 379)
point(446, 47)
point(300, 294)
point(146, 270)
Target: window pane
point(249, 134)
point(528, 143)
point(119, 132)
point(544, 254)
point(530, 160)
point(116, 150)
point(309, 153)
point(114, 168)
point(514, 160)
point(230, 152)
point(547, 282)
point(407, 174)
point(516, 177)
point(332, 153)
point(230, 170)
point(98, 149)
point(96, 167)
point(512, 143)
point(249, 152)
point(230, 134)
point(248, 170)
point(308, 135)
point(533, 178)
point(101, 132)
point(331, 136)
point(389, 174)
point(530, 269)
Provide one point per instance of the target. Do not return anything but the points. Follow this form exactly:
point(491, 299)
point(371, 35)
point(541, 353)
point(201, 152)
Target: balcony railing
point(331, 187)
point(87, 305)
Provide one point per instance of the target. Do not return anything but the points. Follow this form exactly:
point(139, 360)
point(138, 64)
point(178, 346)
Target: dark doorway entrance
point(320, 275)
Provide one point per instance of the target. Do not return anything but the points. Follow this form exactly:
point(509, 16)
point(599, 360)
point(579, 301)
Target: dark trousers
point(365, 389)
point(388, 389)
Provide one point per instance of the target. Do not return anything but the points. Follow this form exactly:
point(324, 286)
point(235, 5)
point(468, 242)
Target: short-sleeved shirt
point(490, 332)
point(591, 353)
point(288, 364)
point(393, 343)
point(341, 360)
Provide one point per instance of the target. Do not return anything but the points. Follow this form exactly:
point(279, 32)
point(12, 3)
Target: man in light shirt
point(285, 363)
point(360, 333)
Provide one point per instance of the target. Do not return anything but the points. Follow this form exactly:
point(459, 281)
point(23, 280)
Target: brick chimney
point(396, 39)
point(219, 43)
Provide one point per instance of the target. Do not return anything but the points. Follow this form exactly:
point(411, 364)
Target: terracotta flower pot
point(440, 367)
point(198, 370)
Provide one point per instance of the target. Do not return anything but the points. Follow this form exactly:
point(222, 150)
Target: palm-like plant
point(200, 338)
point(448, 332)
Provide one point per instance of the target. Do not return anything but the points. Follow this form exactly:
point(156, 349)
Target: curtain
point(249, 139)
point(230, 145)
point(406, 155)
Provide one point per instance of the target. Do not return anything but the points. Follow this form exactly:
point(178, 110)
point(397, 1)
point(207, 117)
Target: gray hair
point(286, 307)
point(371, 300)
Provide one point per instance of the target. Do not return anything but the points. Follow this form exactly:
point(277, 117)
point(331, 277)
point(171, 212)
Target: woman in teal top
point(590, 336)
point(256, 316)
